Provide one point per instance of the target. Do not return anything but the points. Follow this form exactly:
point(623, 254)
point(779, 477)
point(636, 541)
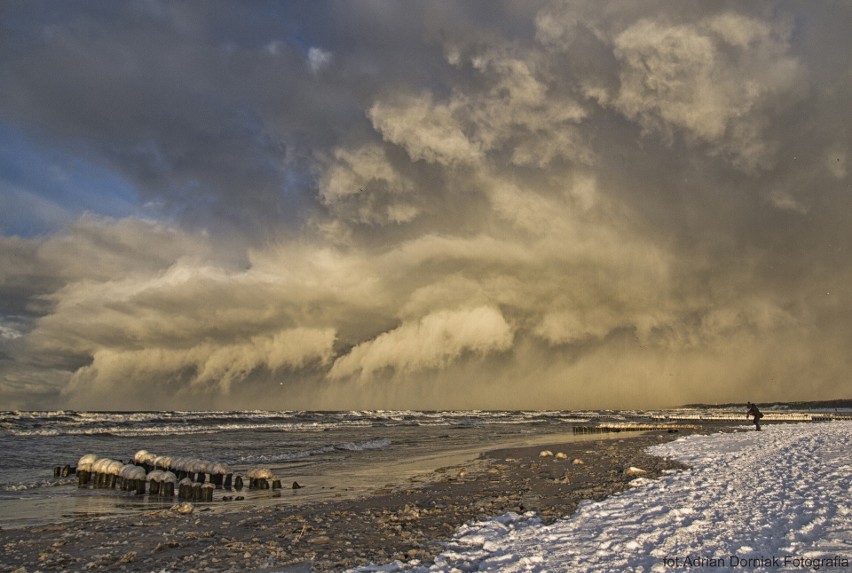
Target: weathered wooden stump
point(185, 489)
point(167, 489)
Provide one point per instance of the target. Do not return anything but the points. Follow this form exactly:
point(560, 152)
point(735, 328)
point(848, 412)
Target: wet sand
point(403, 523)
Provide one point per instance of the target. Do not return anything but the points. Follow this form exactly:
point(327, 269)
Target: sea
point(330, 454)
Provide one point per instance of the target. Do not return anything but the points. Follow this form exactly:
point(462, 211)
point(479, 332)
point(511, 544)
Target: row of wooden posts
point(190, 487)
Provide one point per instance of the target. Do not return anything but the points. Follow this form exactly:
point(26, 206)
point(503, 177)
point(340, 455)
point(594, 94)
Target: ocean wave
point(365, 445)
point(284, 457)
point(15, 487)
point(72, 423)
point(164, 430)
point(302, 454)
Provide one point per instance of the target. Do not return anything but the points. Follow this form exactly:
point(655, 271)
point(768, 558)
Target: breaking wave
point(18, 487)
point(71, 423)
point(302, 454)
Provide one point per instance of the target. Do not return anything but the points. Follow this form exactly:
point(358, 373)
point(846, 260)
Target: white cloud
point(786, 202)
point(567, 327)
point(431, 342)
point(318, 59)
point(275, 47)
point(9, 332)
point(714, 81)
point(362, 185)
point(427, 130)
point(515, 111)
point(207, 366)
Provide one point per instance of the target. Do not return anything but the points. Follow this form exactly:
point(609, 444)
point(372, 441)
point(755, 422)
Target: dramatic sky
point(383, 204)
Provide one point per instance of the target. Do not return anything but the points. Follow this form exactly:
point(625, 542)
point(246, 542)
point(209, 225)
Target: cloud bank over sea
point(429, 205)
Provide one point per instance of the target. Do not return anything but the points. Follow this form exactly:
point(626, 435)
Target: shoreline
point(411, 522)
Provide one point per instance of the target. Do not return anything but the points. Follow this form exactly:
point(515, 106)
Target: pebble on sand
point(185, 507)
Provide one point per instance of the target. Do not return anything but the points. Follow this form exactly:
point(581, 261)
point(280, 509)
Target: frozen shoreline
point(589, 516)
point(772, 500)
point(407, 523)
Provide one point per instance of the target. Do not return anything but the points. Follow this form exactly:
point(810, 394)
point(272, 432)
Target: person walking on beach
point(753, 411)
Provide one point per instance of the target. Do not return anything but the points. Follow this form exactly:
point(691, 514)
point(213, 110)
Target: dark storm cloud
point(436, 204)
point(154, 94)
point(213, 109)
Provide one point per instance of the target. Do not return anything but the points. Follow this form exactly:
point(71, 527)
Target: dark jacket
point(753, 411)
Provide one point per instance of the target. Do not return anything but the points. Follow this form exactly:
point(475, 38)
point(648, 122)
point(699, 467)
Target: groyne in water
point(191, 479)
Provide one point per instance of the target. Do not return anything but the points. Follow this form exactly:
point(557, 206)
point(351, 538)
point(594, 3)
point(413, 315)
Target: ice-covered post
point(140, 482)
point(258, 478)
point(167, 489)
point(185, 489)
point(112, 470)
point(101, 469)
point(124, 475)
point(84, 470)
point(155, 479)
point(218, 474)
point(145, 459)
point(134, 478)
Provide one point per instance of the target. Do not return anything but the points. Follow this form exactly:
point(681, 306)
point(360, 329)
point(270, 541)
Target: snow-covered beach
point(771, 500)
point(778, 499)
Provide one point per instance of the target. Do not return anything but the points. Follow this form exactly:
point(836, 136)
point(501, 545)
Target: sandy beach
point(403, 523)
